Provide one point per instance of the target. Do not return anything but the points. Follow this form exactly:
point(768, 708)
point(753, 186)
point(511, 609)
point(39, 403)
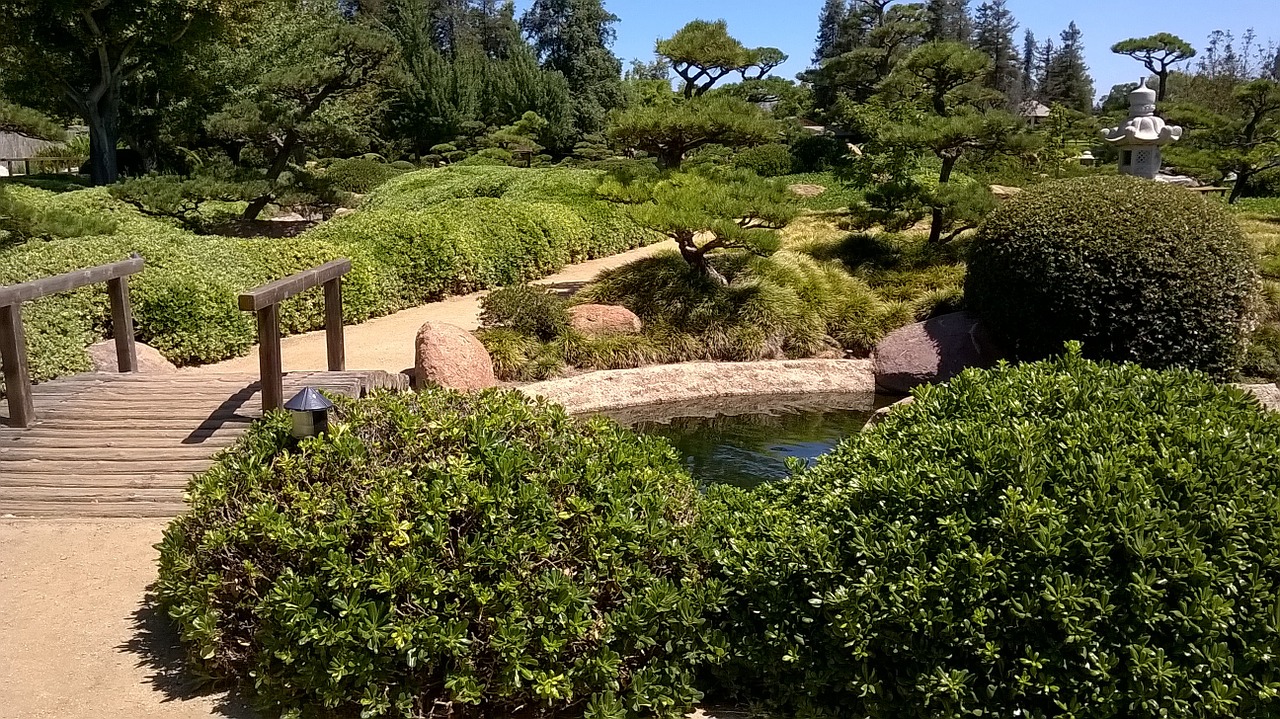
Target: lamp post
point(310, 411)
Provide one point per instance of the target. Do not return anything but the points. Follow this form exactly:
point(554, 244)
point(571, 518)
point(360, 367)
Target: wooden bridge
point(125, 445)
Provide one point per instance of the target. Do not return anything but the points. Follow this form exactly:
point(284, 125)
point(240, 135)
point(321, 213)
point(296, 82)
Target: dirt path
point(78, 639)
point(386, 343)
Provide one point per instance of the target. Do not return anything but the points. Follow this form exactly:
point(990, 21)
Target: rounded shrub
point(479, 554)
point(359, 175)
point(1054, 539)
point(1135, 270)
point(765, 160)
point(530, 311)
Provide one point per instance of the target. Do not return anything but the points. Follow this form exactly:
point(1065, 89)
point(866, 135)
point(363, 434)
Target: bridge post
point(122, 324)
point(13, 353)
point(335, 343)
point(269, 361)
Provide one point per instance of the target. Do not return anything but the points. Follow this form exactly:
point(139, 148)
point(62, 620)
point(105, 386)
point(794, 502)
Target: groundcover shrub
point(1054, 539)
point(479, 554)
point(1135, 270)
point(360, 174)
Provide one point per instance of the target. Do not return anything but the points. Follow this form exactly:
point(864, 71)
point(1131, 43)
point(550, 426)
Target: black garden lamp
point(310, 411)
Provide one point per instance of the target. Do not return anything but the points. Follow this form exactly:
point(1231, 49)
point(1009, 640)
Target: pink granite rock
point(603, 320)
point(451, 357)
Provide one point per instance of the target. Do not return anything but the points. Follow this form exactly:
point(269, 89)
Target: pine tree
point(1067, 79)
point(1044, 58)
point(994, 27)
point(573, 38)
point(831, 26)
point(949, 21)
point(1030, 74)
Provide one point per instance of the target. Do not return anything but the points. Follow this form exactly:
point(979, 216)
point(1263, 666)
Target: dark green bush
point(359, 174)
point(818, 153)
point(1136, 270)
point(531, 311)
point(480, 553)
point(1055, 539)
point(765, 160)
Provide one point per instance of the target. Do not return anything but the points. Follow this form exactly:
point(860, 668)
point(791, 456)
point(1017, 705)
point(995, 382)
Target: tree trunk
point(697, 259)
point(671, 157)
point(279, 164)
point(935, 227)
point(103, 119)
point(1237, 190)
point(1163, 87)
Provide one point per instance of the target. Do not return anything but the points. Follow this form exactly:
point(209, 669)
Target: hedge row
point(1053, 539)
point(407, 248)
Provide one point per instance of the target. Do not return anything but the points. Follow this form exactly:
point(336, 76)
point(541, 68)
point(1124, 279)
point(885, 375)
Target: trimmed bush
point(359, 174)
point(474, 551)
point(1055, 539)
point(1135, 270)
point(765, 160)
point(531, 311)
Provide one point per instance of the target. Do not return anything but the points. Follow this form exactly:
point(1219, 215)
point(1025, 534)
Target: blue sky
point(791, 25)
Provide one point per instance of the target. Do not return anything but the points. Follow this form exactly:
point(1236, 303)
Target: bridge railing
point(41, 165)
point(265, 302)
point(13, 342)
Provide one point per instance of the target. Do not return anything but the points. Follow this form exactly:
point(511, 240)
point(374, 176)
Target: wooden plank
point(36, 452)
point(16, 294)
point(176, 483)
point(66, 467)
point(162, 495)
point(122, 324)
point(335, 342)
point(132, 510)
point(13, 355)
point(273, 293)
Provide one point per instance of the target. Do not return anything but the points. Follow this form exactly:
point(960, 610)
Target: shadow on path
point(155, 644)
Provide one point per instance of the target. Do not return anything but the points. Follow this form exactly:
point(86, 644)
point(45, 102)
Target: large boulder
point(451, 357)
point(932, 351)
point(603, 320)
point(150, 361)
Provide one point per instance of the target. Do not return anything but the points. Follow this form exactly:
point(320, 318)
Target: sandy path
point(386, 343)
point(78, 639)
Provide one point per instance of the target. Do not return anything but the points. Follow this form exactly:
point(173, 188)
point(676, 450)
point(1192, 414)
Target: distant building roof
point(1031, 108)
point(15, 145)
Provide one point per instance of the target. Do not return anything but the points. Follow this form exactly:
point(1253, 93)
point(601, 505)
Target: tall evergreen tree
point(831, 26)
point(573, 37)
point(994, 26)
point(949, 21)
point(1067, 79)
point(1030, 74)
point(880, 36)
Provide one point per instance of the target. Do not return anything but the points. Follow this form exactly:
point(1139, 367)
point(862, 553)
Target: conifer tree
point(949, 21)
point(1158, 53)
point(1067, 79)
point(994, 27)
point(573, 37)
point(880, 36)
point(1030, 72)
point(831, 27)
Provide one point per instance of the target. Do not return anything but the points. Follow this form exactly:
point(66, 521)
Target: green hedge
point(435, 549)
point(1055, 539)
point(404, 252)
point(1135, 270)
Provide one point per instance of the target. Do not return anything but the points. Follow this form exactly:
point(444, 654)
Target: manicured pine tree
point(1067, 79)
point(573, 37)
point(949, 21)
point(994, 26)
point(1158, 53)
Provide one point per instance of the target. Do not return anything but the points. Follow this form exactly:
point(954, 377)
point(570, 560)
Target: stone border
point(692, 381)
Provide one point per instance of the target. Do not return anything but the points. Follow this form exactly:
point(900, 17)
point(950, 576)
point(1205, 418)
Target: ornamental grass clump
point(446, 554)
point(1137, 271)
point(1055, 539)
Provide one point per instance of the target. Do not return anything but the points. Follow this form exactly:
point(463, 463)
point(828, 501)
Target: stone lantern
point(1140, 139)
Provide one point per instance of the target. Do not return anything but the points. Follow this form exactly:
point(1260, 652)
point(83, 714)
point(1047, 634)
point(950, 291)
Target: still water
point(747, 442)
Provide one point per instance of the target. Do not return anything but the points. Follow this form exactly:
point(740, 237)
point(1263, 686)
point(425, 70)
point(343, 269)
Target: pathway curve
point(386, 343)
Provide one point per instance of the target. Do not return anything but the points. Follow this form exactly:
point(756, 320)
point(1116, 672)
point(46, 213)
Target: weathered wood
point(13, 355)
point(14, 294)
point(269, 357)
point(122, 323)
point(335, 342)
point(282, 289)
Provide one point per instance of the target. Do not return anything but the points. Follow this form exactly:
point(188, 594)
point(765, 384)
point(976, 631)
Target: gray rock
point(150, 361)
point(932, 351)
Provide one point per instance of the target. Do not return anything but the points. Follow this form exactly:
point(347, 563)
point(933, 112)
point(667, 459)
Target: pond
point(746, 442)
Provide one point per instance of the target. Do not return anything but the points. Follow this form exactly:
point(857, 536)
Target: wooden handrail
point(265, 302)
point(13, 341)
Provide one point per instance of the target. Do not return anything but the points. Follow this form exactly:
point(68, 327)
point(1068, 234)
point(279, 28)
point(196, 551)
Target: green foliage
point(527, 310)
point(572, 37)
point(765, 160)
point(670, 131)
point(1157, 53)
point(1038, 540)
point(32, 123)
point(1135, 270)
point(25, 215)
point(479, 551)
point(359, 175)
point(817, 153)
point(1243, 138)
point(703, 52)
point(185, 200)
